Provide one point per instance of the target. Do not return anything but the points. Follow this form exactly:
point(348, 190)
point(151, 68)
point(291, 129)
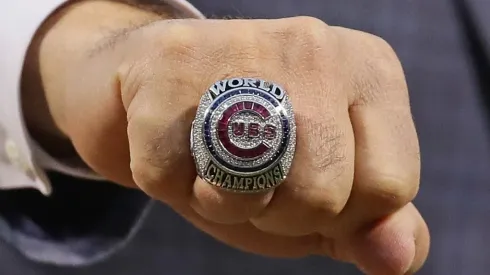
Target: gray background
point(455, 193)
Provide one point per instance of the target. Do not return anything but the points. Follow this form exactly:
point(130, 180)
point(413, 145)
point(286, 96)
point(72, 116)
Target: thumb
point(396, 245)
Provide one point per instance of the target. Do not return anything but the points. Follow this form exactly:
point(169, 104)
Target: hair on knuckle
point(326, 144)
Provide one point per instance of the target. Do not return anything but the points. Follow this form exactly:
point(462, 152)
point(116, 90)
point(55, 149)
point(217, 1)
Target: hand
point(130, 100)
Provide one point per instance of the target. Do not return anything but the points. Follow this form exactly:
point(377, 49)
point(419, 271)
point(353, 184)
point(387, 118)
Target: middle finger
point(321, 176)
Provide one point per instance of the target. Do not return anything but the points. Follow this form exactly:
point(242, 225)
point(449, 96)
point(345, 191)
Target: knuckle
point(396, 192)
point(384, 65)
point(332, 207)
point(311, 31)
point(175, 43)
point(381, 57)
point(150, 163)
point(308, 23)
point(157, 150)
point(148, 178)
point(179, 38)
point(305, 43)
point(132, 77)
point(377, 73)
point(160, 182)
point(220, 47)
point(305, 31)
point(241, 50)
point(327, 203)
point(377, 43)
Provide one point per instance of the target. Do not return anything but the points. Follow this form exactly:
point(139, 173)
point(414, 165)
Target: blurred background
point(444, 50)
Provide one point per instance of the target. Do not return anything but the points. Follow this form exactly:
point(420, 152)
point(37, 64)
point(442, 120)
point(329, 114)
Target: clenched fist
point(126, 101)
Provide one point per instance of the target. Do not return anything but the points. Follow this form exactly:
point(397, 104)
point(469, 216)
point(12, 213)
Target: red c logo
point(248, 130)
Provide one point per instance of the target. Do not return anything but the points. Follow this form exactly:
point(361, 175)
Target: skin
point(121, 90)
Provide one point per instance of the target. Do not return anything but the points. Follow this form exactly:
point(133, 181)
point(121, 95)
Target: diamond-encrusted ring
point(244, 135)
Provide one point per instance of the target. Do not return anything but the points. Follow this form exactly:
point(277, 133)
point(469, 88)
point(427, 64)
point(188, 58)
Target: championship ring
point(244, 135)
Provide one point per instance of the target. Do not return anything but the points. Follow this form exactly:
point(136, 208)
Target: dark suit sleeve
point(80, 223)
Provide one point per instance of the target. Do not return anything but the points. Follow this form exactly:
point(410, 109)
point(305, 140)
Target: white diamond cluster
point(198, 148)
point(287, 159)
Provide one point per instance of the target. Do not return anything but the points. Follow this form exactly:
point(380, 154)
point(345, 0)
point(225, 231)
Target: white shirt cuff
point(22, 160)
